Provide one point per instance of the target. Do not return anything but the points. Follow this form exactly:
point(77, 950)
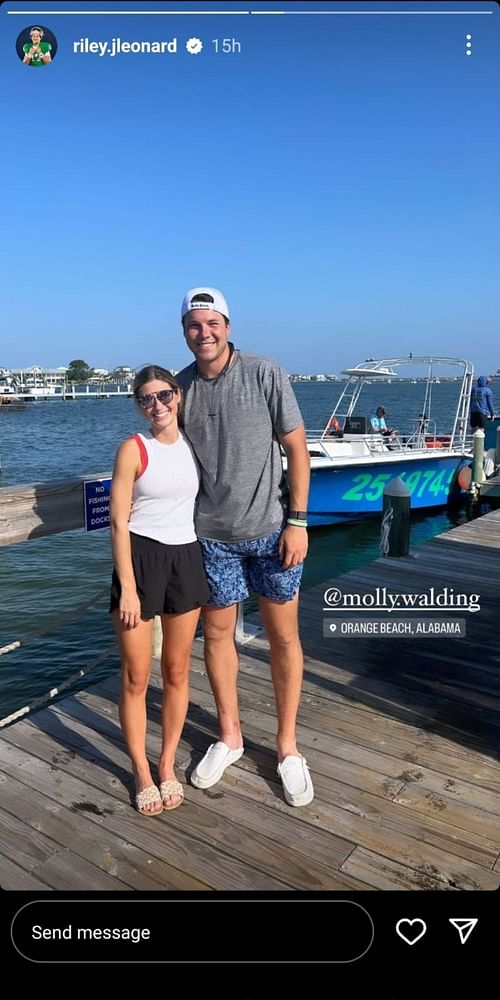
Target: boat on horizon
point(9, 399)
point(351, 464)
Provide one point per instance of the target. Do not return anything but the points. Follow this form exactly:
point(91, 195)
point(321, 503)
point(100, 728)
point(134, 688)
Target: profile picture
point(36, 45)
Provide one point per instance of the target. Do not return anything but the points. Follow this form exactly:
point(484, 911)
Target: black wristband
point(298, 515)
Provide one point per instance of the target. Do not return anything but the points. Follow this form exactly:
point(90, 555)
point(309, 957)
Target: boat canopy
point(371, 369)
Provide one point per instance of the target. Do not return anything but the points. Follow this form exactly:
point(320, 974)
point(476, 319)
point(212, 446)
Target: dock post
point(244, 633)
point(395, 532)
point(478, 455)
point(157, 638)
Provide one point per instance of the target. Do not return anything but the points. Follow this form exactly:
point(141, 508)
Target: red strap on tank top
point(143, 453)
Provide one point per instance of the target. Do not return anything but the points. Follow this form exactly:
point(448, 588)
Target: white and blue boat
point(9, 398)
point(351, 465)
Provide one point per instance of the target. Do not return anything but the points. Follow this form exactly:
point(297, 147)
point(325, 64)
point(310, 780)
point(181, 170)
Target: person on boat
point(333, 428)
point(481, 403)
point(238, 409)
point(378, 423)
point(422, 423)
point(158, 570)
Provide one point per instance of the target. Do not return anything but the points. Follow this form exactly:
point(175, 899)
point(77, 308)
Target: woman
point(158, 570)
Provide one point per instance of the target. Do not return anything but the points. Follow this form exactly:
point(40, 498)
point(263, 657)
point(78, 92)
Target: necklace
point(221, 374)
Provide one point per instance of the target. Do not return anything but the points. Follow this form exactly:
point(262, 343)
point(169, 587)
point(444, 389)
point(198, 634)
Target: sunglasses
point(163, 396)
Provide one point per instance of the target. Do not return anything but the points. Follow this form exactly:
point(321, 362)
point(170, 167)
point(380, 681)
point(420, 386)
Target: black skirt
point(170, 579)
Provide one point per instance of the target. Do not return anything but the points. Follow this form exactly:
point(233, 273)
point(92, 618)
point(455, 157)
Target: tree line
point(80, 371)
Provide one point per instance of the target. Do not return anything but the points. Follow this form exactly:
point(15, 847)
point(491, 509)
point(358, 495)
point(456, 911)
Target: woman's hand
point(130, 608)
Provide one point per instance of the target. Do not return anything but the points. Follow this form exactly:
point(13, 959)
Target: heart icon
point(413, 929)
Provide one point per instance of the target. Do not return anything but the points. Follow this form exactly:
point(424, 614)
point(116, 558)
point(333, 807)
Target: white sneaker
point(296, 779)
point(212, 766)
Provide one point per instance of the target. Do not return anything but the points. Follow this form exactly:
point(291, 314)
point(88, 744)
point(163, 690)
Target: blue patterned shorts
point(234, 569)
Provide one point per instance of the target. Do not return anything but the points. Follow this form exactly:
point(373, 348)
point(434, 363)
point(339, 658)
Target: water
point(45, 578)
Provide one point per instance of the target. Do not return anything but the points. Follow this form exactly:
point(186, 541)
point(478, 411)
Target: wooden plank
point(163, 835)
point(67, 870)
point(269, 855)
point(420, 749)
point(439, 566)
point(371, 692)
point(349, 804)
point(477, 797)
point(399, 841)
point(196, 738)
point(391, 841)
point(417, 672)
point(454, 703)
point(384, 873)
point(361, 690)
point(317, 699)
point(14, 878)
point(28, 848)
point(33, 510)
point(440, 783)
point(365, 774)
point(461, 815)
point(468, 839)
point(69, 828)
point(283, 828)
point(281, 859)
point(385, 816)
point(471, 845)
point(37, 855)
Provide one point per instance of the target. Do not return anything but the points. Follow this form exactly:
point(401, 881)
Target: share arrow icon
point(464, 926)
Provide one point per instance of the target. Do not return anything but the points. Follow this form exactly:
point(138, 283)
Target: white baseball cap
point(217, 301)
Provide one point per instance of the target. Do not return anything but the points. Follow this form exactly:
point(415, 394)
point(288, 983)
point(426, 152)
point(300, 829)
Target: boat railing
point(377, 443)
point(316, 445)
point(312, 434)
point(423, 434)
point(423, 438)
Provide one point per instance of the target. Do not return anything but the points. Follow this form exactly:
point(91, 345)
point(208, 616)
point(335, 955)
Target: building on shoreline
point(51, 383)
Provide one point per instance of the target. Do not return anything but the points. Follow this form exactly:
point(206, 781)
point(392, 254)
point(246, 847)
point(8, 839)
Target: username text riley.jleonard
point(120, 46)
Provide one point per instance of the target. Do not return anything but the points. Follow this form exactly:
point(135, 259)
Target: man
point(378, 424)
point(238, 408)
point(481, 403)
point(36, 52)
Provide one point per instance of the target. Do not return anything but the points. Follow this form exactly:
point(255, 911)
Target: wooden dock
point(490, 489)
point(401, 736)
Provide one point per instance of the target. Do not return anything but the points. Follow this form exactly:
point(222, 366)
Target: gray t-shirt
point(232, 422)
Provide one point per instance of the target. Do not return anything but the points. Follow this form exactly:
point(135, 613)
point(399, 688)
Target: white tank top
point(164, 493)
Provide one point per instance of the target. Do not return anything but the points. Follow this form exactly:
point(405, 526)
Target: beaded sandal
point(148, 795)
point(168, 789)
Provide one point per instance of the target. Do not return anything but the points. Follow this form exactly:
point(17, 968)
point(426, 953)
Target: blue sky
point(337, 178)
